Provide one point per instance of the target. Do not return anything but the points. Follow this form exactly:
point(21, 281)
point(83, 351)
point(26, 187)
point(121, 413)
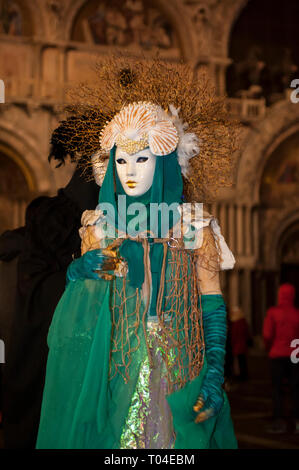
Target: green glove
point(211, 399)
point(86, 266)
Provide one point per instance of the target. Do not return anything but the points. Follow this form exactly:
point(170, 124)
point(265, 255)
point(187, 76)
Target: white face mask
point(99, 167)
point(136, 172)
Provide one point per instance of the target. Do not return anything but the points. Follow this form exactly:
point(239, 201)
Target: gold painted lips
point(131, 184)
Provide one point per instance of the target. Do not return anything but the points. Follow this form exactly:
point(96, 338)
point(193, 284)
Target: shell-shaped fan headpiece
point(138, 126)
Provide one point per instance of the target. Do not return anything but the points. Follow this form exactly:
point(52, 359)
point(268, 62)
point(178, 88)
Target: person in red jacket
point(281, 327)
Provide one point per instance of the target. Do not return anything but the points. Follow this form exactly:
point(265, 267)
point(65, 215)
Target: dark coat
point(11, 245)
point(51, 240)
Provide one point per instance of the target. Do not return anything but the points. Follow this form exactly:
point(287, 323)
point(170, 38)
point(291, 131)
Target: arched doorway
point(288, 252)
point(16, 188)
point(124, 24)
point(280, 179)
point(279, 219)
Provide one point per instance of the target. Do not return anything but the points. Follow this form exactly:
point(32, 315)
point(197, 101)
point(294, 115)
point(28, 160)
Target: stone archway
point(37, 171)
point(283, 226)
point(288, 253)
point(283, 253)
point(288, 249)
point(263, 143)
point(259, 143)
point(20, 158)
point(272, 187)
point(225, 17)
point(17, 18)
point(276, 195)
point(173, 14)
point(16, 188)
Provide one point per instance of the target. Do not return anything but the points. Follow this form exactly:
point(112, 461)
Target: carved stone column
point(246, 296)
point(231, 228)
point(255, 223)
point(240, 228)
point(223, 219)
point(248, 231)
point(233, 289)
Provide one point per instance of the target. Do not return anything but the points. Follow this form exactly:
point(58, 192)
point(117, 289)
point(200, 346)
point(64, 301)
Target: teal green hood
point(167, 187)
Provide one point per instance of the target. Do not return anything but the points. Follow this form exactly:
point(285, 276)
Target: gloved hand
point(210, 399)
point(86, 266)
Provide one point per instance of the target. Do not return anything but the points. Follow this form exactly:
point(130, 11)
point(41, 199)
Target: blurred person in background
point(50, 241)
point(281, 326)
point(240, 339)
point(11, 245)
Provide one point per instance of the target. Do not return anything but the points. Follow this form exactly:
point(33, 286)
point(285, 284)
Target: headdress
point(160, 105)
point(141, 125)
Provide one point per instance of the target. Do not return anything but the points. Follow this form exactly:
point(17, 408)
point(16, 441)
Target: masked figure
point(137, 342)
point(44, 248)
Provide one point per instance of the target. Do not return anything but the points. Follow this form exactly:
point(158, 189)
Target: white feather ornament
point(188, 145)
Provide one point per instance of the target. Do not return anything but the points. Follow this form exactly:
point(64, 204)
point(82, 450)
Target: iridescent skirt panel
point(149, 421)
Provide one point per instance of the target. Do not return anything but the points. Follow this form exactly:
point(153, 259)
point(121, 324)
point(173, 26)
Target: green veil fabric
point(82, 407)
point(167, 187)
